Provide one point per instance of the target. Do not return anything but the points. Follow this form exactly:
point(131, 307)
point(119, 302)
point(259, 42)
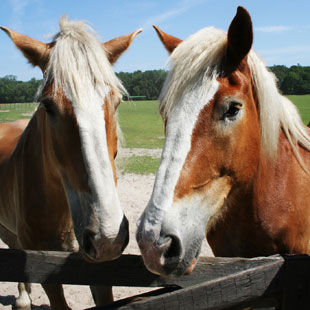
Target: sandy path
point(134, 191)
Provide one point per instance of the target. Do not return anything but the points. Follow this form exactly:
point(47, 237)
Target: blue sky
point(281, 27)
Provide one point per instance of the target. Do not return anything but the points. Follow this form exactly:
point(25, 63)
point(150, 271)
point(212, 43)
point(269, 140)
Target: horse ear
point(35, 51)
point(116, 47)
point(170, 42)
point(240, 37)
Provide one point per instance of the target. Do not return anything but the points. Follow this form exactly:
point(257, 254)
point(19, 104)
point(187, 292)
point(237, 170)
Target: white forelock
point(199, 58)
point(193, 60)
point(78, 64)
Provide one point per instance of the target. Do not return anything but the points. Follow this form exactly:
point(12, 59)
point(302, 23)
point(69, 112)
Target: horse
point(57, 175)
point(235, 164)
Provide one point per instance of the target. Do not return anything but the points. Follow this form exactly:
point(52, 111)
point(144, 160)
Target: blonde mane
point(78, 64)
point(197, 61)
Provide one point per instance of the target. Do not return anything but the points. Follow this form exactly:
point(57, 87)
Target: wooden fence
point(216, 283)
point(17, 106)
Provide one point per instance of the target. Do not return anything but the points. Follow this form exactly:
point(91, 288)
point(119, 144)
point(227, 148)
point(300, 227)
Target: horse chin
point(95, 260)
point(90, 259)
point(191, 267)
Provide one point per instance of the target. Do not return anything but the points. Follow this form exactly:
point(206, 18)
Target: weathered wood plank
point(135, 298)
point(128, 270)
point(216, 283)
point(222, 293)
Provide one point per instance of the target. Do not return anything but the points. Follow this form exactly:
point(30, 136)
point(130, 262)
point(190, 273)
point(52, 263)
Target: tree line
point(147, 83)
point(294, 80)
point(14, 91)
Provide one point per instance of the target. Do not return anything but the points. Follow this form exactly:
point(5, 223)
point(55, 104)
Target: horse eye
point(233, 110)
point(48, 105)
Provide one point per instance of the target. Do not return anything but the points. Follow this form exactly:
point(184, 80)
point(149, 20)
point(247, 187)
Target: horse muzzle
point(163, 256)
point(98, 248)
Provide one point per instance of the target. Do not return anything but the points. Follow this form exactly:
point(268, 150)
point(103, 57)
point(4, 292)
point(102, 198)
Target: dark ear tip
point(243, 16)
point(241, 11)
point(158, 31)
point(6, 30)
point(160, 34)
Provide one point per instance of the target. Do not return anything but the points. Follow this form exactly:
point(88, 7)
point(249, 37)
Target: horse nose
point(161, 256)
point(172, 247)
point(100, 248)
point(89, 244)
point(171, 250)
point(125, 230)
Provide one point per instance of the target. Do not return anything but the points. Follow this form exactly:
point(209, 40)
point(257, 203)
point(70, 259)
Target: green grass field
point(140, 121)
point(142, 127)
point(303, 104)
point(11, 112)
point(139, 164)
point(141, 124)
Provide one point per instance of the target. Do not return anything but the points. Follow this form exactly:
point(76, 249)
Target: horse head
point(77, 120)
point(212, 144)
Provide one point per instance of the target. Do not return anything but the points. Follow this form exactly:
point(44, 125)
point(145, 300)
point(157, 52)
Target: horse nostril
point(125, 224)
point(125, 228)
point(171, 255)
point(174, 248)
point(88, 243)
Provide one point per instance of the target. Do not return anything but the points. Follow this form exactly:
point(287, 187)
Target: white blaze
point(96, 157)
point(79, 67)
point(181, 123)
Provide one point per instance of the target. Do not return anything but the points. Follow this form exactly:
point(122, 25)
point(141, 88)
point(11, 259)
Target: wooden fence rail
point(216, 283)
point(16, 106)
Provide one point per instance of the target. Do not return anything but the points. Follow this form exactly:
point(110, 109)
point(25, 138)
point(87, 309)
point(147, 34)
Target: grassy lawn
point(139, 164)
point(142, 127)
point(303, 104)
point(141, 124)
point(11, 112)
point(140, 121)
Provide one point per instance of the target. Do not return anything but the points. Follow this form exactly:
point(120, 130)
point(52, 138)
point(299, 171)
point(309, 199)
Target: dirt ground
point(134, 191)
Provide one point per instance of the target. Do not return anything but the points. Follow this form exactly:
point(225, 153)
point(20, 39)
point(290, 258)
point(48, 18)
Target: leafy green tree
point(14, 91)
point(294, 80)
point(148, 83)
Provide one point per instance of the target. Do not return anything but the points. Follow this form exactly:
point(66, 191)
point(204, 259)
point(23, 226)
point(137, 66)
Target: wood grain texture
point(222, 293)
point(128, 270)
point(216, 283)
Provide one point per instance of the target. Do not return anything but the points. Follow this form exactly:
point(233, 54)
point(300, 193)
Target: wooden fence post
point(296, 291)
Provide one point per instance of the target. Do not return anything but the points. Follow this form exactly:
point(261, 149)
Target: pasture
point(303, 104)
point(13, 111)
point(142, 127)
point(140, 121)
point(141, 124)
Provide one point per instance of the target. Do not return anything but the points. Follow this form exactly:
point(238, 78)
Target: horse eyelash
point(233, 105)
